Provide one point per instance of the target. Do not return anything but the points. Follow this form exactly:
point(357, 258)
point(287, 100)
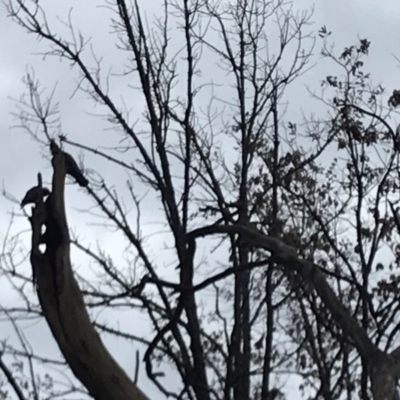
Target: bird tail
point(82, 181)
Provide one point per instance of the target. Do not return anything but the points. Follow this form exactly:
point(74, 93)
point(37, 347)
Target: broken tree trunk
point(62, 301)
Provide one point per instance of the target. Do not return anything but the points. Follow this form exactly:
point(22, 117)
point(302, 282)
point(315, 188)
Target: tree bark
point(62, 301)
point(384, 375)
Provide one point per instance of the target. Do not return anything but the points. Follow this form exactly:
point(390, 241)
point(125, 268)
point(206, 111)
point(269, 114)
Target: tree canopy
point(254, 247)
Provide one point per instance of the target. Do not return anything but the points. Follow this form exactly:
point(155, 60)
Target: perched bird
point(34, 194)
point(397, 138)
point(71, 165)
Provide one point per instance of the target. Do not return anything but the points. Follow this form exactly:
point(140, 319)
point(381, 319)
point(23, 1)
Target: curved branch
point(311, 272)
point(62, 301)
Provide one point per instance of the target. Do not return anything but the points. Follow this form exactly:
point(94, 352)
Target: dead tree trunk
point(62, 302)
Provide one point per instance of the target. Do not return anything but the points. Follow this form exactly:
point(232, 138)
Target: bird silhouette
point(34, 194)
point(70, 164)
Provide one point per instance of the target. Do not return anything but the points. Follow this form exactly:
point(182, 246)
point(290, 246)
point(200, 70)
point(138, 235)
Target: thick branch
point(311, 272)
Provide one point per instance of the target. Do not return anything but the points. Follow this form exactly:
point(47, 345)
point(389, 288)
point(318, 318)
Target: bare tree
point(296, 291)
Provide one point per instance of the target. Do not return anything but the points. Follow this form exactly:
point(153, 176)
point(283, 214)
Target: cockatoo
point(34, 194)
point(70, 164)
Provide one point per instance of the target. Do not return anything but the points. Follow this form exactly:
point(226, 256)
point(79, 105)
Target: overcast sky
point(21, 157)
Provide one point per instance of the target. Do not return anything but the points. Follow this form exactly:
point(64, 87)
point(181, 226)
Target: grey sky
point(21, 158)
